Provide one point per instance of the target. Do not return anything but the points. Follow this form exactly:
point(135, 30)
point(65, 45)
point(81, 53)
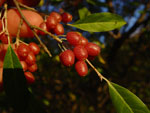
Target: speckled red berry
point(83, 41)
point(33, 68)
point(80, 52)
point(51, 22)
point(56, 15)
point(44, 27)
point(23, 50)
point(29, 77)
point(30, 60)
point(67, 58)
point(34, 48)
point(4, 38)
point(73, 38)
point(81, 68)
point(66, 17)
point(93, 49)
point(59, 29)
point(24, 65)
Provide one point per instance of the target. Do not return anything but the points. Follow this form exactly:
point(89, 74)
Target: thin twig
point(98, 73)
point(18, 32)
point(5, 15)
point(41, 43)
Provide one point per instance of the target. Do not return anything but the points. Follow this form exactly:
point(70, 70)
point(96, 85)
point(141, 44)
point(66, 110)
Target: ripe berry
point(59, 29)
point(0, 25)
point(83, 41)
point(24, 65)
point(81, 68)
point(93, 49)
point(73, 38)
point(30, 60)
point(66, 17)
point(51, 22)
point(34, 48)
point(4, 38)
point(67, 58)
point(80, 52)
point(33, 68)
point(23, 50)
point(56, 15)
point(29, 77)
point(44, 27)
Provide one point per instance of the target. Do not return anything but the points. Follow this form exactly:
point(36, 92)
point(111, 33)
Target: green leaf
point(83, 12)
point(14, 81)
point(125, 101)
point(100, 22)
point(15, 86)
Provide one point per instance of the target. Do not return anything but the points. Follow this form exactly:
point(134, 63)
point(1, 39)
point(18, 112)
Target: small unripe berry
point(56, 15)
point(80, 52)
point(51, 22)
point(24, 65)
point(73, 38)
point(67, 58)
point(23, 50)
point(34, 48)
point(66, 17)
point(29, 77)
point(59, 29)
point(33, 68)
point(81, 68)
point(30, 60)
point(44, 27)
point(93, 49)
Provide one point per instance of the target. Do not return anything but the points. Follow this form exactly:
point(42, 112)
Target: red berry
point(83, 41)
point(23, 50)
point(80, 52)
point(32, 68)
point(1, 63)
point(93, 49)
point(73, 38)
point(24, 65)
point(4, 38)
point(67, 58)
point(59, 29)
point(1, 25)
point(51, 22)
point(56, 15)
point(81, 68)
point(30, 60)
point(29, 77)
point(34, 48)
point(66, 17)
point(44, 27)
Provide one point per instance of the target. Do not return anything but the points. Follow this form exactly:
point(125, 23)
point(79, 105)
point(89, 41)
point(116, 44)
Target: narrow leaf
point(125, 101)
point(14, 81)
point(83, 12)
point(15, 86)
point(100, 22)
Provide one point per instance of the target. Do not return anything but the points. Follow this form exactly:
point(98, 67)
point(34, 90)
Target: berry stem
point(98, 73)
point(18, 32)
point(5, 18)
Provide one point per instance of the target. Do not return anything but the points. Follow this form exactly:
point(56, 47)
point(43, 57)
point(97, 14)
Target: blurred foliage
point(63, 91)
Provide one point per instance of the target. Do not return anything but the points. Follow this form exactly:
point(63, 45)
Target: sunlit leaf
point(100, 22)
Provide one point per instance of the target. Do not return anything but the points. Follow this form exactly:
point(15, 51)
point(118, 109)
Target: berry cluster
point(26, 55)
point(53, 24)
point(82, 49)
